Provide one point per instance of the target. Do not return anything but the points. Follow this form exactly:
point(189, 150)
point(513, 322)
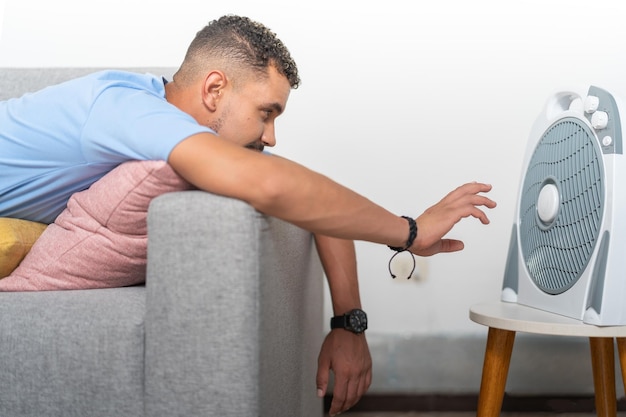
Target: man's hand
point(439, 219)
point(348, 356)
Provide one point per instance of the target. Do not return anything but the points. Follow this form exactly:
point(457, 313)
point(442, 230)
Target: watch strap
point(338, 322)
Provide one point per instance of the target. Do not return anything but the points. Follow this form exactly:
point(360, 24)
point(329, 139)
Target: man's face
point(246, 116)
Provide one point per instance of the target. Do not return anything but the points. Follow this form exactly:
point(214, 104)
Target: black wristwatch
point(354, 321)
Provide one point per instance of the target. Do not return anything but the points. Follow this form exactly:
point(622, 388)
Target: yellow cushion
point(16, 238)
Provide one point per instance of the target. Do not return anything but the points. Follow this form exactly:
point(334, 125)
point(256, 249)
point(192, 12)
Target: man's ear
point(212, 89)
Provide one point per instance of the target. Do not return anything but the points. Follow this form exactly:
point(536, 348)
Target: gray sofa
point(229, 322)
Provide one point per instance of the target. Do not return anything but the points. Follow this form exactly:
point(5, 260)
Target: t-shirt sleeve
point(135, 124)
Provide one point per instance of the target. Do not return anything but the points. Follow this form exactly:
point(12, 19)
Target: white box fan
point(567, 253)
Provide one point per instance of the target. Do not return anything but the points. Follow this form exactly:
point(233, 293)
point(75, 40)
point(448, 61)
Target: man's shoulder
point(126, 79)
point(88, 87)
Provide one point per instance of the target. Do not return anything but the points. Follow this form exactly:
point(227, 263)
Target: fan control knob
point(548, 203)
point(599, 120)
point(591, 104)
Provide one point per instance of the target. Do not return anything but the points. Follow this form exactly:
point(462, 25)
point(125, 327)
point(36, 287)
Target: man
point(207, 123)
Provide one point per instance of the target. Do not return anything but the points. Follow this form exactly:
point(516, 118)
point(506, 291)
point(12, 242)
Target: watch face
point(358, 321)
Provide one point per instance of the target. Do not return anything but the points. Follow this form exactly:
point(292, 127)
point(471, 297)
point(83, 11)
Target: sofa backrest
point(14, 82)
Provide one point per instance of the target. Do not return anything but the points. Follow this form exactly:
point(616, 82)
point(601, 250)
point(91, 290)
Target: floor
point(463, 414)
point(465, 405)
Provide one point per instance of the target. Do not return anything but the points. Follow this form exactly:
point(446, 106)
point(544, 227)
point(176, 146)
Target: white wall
point(2, 2)
point(401, 101)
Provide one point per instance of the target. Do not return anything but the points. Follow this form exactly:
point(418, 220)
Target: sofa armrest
point(234, 311)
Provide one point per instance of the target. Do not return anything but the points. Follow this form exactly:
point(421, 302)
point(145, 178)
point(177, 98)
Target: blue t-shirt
point(63, 138)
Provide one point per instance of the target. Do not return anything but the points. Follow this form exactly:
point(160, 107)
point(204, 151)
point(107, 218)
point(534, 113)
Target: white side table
point(504, 319)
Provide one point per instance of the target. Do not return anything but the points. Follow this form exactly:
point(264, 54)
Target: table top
point(517, 317)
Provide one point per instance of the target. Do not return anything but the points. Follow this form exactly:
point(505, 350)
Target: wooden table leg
point(603, 363)
point(621, 349)
point(495, 370)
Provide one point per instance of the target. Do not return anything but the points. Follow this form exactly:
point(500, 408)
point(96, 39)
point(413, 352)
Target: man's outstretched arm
point(287, 190)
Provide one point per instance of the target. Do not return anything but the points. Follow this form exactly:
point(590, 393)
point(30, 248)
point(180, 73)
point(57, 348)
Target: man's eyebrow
point(274, 106)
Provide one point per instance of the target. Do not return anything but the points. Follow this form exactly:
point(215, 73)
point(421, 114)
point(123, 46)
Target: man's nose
point(269, 137)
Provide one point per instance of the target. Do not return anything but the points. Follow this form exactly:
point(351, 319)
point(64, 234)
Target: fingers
point(450, 245)
point(462, 202)
point(338, 404)
point(347, 392)
point(477, 213)
point(323, 372)
point(472, 188)
point(442, 246)
point(347, 356)
point(473, 200)
point(470, 193)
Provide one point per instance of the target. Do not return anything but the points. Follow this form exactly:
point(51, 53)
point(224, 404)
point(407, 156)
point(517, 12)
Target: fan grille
point(557, 253)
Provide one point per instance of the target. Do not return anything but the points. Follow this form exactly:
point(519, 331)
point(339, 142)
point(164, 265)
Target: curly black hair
point(244, 42)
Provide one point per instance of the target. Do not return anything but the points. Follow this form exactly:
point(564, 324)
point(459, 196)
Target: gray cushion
point(72, 352)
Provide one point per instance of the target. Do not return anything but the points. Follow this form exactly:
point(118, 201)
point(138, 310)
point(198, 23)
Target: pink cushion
point(100, 239)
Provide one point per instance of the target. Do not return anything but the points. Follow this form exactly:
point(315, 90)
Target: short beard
point(216, 126)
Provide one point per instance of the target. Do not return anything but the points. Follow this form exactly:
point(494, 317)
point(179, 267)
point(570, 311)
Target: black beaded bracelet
point(412, 235)
point(409, 243)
